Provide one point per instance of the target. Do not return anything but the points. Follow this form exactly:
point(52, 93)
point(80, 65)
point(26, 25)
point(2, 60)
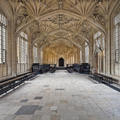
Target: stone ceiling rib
point(47, 20)
point(65, 12)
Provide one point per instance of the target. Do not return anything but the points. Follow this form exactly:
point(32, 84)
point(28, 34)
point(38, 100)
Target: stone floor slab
point(26, 110)
point(61, 96)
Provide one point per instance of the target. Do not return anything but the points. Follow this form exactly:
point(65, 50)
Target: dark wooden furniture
point(11, 83)
point(105, 78)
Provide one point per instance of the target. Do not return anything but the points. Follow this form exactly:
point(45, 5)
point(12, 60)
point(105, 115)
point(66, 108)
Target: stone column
point(74, 55)
point(76, 59)
point(107, 48)
point(81, 56)
point(91, 44)
point(13, 48)
point(30, 50)
point(83, 53)
point(78, 56)
point(40, 55)
point(9, 51)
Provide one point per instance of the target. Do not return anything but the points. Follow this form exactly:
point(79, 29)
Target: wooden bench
point(105, 79)
point(13, 82)
point(70, 70)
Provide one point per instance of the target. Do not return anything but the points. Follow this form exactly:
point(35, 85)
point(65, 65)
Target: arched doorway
point(61, 62)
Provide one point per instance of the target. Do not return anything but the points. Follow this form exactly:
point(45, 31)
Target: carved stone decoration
point(99, 18)
point(61, 34)
point(48, 20)
point(61, 19)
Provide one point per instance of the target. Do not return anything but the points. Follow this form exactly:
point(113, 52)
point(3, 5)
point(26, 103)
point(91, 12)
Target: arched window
point(117, 38)
point(35, 57)
point(99, 45)
point(22, 48)
point(3, 37)
point(99, 50)
point(86, 53)
point(80, 56)
point(117, 45)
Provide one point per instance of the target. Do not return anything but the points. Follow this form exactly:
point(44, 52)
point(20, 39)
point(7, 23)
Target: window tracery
point(35, 57)
point(3, 37)
point(22, 48)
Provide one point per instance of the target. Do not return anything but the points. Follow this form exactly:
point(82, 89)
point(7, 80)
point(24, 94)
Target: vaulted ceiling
point(69, 21)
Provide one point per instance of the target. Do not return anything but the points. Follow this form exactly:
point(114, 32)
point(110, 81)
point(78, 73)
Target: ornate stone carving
point(61, 19)
point(78, 17)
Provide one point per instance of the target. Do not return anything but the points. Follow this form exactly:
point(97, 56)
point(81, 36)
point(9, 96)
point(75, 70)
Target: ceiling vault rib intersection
point(52, 20)
point(56, 12)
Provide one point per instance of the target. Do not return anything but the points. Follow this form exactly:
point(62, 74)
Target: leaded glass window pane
point(3, 37)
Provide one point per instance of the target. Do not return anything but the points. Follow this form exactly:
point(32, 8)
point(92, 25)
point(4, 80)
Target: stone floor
point(61, 96)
